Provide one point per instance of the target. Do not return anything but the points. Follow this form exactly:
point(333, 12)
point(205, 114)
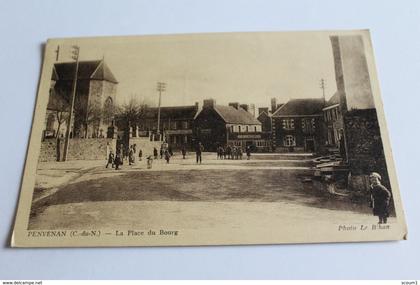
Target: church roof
point(236, 116)
point(94, 69)
point(301, 107)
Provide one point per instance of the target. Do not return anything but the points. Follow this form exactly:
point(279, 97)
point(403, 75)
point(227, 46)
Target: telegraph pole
point(322, 86)
point(75, 56)
point(161, 87)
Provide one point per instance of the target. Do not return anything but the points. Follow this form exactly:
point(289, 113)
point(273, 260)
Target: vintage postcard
point(209, 139)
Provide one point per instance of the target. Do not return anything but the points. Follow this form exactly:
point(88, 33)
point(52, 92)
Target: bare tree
point(132, 112)
point(60, 105)
point(89, 114)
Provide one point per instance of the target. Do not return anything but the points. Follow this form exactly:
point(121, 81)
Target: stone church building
point(94, 102)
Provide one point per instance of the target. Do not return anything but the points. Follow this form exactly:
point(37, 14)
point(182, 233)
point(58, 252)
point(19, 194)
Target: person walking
point(248, 152)
point(183, 151)
point(198, 150)
point(380, 198)
point(155, 153)
point(134, 153)
point(140, 154)
point(131, 156)
point(167, 156)
point(110, 159)
point(117, 161)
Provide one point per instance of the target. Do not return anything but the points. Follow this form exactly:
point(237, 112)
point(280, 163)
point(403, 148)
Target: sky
point(249, 68)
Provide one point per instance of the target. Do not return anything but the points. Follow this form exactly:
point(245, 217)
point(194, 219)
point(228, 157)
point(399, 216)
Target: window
point(288, 124)
point(185, 125)
point(239, 129)
point(173, 125)
point(289, 141)
point(308, 126)
point(247, 129)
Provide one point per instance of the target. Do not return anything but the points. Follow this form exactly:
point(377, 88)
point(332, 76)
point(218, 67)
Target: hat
point(375, 174)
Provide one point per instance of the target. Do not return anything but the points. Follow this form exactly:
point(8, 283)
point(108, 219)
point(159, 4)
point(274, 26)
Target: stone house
point(218, 125)
point(297, 126)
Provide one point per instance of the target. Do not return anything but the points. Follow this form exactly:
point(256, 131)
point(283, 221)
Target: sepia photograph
point(209, 139)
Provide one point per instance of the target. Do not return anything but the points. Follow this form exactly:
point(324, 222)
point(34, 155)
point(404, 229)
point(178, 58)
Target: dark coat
point(380, 200)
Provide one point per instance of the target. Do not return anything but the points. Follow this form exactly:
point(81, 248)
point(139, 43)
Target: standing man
point(110, 159)
point(140, 154)
point(198, 150)
point(118, 160)
point(183, 151)
point(248, 152)
point(167, 156)
point(380, 198)
point(131, 155)
point(155, 153)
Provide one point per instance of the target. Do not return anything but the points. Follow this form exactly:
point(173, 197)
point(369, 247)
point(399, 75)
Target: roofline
point(264, 112)
point(330, 107)
point(298, 116)
point(274, 114)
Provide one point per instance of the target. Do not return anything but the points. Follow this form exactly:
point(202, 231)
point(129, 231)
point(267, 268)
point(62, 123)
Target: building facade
point(218, 125)
point(297, 126)
point(176, 125)
point(264, 116)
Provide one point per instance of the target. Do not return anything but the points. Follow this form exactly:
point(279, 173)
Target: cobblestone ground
point(86, 194)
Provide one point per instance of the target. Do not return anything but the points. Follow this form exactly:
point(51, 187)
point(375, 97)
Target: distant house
point(176, 124)
point(94, 101)
point(264, 116)
point(297, 126)
point(218, 125)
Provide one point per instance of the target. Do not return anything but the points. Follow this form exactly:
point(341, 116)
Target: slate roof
point(95, 69)
point(301, 107)
point(236, 116)
point(174, 113)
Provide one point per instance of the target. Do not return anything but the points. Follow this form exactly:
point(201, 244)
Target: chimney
point(261, 110)
point(234, 105)
point(245, 107)
point(252, 109)
point(273, 105)
point(209, 103)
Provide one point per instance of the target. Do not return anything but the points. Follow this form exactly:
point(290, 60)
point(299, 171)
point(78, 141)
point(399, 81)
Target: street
point(184, 193)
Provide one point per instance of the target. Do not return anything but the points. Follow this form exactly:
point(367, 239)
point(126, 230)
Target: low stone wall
point(48, 151)
point(79, 149)
point(145, 145)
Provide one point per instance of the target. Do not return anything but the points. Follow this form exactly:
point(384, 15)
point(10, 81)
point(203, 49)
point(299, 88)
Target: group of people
point(232, 152)
point(117, 159)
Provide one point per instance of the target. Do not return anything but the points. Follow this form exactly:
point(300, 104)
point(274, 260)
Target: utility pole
point(322, 86)
point(161, 87)
point(75, 56)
